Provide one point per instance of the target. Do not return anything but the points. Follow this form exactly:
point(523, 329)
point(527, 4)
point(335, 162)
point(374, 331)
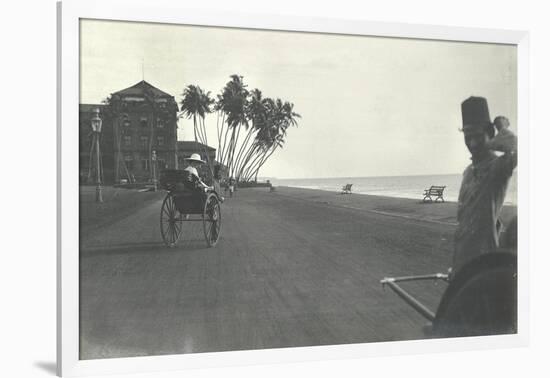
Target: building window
point(160, 123)
point(127, 140)
point(126, 121)
point(145, 164)
point(160, 140)
point(129, 162)
point(143, 141)
point(143, 121)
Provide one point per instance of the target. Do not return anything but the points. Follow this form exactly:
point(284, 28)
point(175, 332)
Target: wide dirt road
point(286, 272)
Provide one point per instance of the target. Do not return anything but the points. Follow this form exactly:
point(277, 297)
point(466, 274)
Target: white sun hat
point(195, 157)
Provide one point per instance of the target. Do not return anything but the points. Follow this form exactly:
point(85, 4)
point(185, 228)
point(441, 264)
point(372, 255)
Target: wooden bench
point(434, 191)
point(346, 189)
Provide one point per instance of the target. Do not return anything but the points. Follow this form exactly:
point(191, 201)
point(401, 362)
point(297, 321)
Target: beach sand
point(293, 267)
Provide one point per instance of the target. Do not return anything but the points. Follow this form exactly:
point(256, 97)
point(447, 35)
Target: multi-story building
point(136, 121)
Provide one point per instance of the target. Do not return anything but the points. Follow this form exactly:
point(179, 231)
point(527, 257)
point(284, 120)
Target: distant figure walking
point(484, 182)
point(216, 181)
point(231, 186)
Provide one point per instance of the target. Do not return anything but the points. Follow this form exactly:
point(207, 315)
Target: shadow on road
point(140, 247)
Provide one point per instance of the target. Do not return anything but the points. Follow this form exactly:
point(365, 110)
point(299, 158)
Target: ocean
point(393, 186)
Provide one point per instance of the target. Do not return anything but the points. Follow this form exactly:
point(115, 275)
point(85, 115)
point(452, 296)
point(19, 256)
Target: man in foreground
point(484, 182)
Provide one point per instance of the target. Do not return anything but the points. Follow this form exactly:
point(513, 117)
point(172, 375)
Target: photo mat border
point(166, 11)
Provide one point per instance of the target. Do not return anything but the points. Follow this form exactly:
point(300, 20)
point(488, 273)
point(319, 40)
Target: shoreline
point(404, 196)
point(411, 187)
point(403, 207)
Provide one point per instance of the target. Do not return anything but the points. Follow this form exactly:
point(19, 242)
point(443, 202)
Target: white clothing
point(192, 170)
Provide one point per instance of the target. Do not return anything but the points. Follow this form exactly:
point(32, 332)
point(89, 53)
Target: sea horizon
point(410, 186)
point(264, 178)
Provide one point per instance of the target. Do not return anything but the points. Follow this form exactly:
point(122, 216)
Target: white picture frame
point(69, 14)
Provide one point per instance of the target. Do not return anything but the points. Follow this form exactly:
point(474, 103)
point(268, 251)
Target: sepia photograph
point(248, 189)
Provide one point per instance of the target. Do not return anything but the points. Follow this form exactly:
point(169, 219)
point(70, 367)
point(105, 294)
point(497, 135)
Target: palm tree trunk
point(254, 163)
point(218, 133)
point(247, 159)
point(205, 148)
point(244, 147)
point(202, 128)
point(229, 147)
point(264, 161)
point(220, 146)
point(234, 147)
point(226, 145)
point(197, 131)
point(230, 152)
point(261, 161)
point(245, 162)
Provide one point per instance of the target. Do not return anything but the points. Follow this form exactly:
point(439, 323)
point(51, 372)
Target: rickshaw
point(480, 298)
point(186, 201)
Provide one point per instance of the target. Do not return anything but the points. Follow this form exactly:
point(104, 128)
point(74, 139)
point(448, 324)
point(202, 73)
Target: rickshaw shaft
point(419, 307)
point(436, 276)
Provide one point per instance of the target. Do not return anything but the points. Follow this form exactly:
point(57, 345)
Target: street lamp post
point(96, 128)
point(154, 167)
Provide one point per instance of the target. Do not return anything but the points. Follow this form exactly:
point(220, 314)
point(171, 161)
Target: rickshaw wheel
point(481, 299)
point(212, 219)
point(170, 222)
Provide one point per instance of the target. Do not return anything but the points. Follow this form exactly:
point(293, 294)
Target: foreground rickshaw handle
point(419, 307)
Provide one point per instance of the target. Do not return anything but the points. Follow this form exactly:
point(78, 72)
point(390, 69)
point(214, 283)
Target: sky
point(369, 106)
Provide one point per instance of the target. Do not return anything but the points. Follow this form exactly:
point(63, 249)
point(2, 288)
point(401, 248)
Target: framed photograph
point(256, 188)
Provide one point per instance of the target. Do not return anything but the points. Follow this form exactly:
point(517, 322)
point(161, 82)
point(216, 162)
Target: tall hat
point(475, 115)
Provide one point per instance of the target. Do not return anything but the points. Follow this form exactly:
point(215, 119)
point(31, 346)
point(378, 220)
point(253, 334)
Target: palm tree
point(265, 138)
point(256, 113)
point(264, 120)
point(280, 116)
point(196, 104)
point(232, 103)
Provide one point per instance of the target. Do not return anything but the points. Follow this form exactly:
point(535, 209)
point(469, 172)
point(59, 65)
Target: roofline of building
point(162, 93)
point(194, 142)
